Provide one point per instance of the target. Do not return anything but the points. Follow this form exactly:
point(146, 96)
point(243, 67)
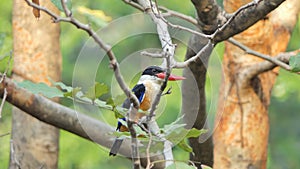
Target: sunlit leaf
point(62, 86)
point(6, 63)
point(96, 16)
point(57, 3)
point(294, 63)
point(110, 101)
point(102, 104)
point(180, 165)
point(41, 88)
point(195, 132)
point(205, 167)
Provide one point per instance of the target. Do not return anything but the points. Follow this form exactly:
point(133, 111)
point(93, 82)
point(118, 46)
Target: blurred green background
point(78, 153)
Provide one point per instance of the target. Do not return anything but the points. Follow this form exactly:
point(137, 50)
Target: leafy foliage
point(41, 88)
point(180, 165)
point(294, 62)
point(98, 17)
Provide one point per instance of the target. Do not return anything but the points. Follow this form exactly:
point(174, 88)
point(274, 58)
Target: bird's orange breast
point(149, 96)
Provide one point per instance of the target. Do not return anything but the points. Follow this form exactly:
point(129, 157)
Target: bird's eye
point(154, 70)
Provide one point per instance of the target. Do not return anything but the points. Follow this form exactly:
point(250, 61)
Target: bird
point(145, 90)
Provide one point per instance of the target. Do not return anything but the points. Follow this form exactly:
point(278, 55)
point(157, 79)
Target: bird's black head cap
point(153, 70)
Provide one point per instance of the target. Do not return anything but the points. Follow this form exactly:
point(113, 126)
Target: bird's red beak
point(171, 77)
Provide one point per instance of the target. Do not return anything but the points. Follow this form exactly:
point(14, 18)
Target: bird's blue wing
point(139, 91)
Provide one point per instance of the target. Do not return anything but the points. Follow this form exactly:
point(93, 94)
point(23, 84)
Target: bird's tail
point(115, 147)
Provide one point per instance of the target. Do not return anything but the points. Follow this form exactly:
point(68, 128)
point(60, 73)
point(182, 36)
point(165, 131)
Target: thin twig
point(170, 12)
point(264, 66)
point(133, 4)
point(207, 48)
point(153, 55)
point(233, 17)
point(169, 50)
point(13, 155)
point(134, 146)
point(85, 27)
point(260, 55)
point(149, 164)
point(67, 12)
point(5, 134)
point(3, 101)
point(7, 67)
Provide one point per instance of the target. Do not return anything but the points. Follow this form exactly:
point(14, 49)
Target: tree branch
point(265, 66)
point(274, 60)
point(113, 62)
point(60, 116)
point(209, 15)
point(245, 18)
point(170, 12)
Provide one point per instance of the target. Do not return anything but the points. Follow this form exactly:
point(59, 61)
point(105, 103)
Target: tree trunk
point(37, 57)
point(194, 102)
point(241, 135)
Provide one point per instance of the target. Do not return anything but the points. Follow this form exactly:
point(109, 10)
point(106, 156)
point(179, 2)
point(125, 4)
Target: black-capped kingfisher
point(145, 90)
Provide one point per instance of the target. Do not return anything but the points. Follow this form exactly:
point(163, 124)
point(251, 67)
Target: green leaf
point(97, 90)
point(185, 146)
point(57, 3)
point(205, 167)
point(180, 165)
point(62, 86)
point(73, 92)
point(98, 17)
point(294, 63)
point(110, 101)
point(6, 63)
point(41, 88)
point(2, 39)
point(195, 132)
point(70, 91)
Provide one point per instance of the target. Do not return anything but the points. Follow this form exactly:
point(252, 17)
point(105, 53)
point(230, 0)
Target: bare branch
point(252, 11)
point(5, 134)
point(153, 55)
point(170, 12)
point(134, 146)
point(71, 120)
point(274, 60)
point(7, 68)
point(3, 101)
point(206, 50)
point(134, 4)
point(68, 13)
point(264, 66)
point(209, 15)
point(113, 62)
point(13, 154)
point(149, 164)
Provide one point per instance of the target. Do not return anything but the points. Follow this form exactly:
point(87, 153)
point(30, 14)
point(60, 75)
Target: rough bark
point(208, 14)
point(241, 136)
point(194, 102)
point(36, 57)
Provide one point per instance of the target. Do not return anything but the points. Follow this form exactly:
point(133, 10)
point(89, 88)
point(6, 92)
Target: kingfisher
point(145, 90)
